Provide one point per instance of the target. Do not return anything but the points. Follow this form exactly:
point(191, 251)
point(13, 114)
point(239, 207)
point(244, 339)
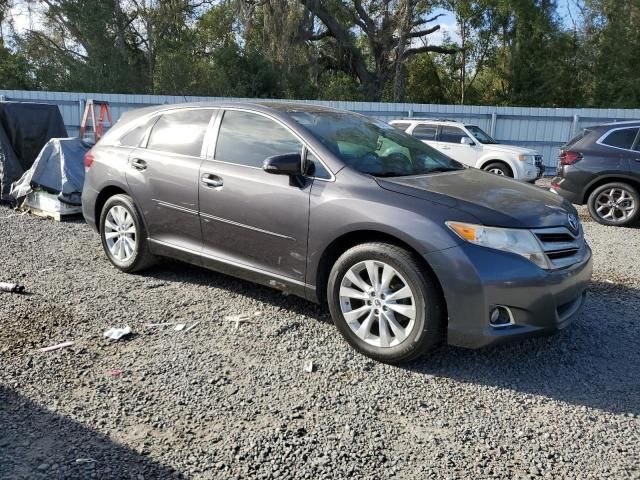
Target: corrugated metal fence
point(543, 129)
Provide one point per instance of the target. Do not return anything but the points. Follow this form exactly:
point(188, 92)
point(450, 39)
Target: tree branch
point(430, 48)
point(422, 33)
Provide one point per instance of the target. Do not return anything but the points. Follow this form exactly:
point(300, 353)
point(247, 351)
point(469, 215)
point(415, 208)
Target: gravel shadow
point(36, 443)
point(593, 363)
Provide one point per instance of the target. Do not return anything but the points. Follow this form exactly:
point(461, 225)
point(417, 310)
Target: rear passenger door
point(163, 177)
point(426, 134)
point(625, 144)
point(251, 219)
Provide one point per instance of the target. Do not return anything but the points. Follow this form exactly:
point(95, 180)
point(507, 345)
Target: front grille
point(561, 245)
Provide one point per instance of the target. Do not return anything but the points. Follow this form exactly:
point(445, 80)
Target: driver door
point(450, 139)
point(252, 219)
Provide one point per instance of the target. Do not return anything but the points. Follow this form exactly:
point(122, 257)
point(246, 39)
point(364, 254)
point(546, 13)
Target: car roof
point(604, 127)
point(426, 120)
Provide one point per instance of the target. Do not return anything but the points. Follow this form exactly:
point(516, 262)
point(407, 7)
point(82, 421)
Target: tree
point(371, 40)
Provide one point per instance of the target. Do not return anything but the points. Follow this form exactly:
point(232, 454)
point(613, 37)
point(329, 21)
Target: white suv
point(468, 144)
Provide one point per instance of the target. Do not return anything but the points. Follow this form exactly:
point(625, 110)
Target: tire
point(498, 168)
point(409, 337)
point(615, 204)
point(119, 217)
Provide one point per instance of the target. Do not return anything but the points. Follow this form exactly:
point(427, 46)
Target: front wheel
point(384, 303)
point(498, 168)
point(615, 204)
point(123, 235)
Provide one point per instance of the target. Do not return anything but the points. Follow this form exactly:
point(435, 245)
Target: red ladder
point(97, 125)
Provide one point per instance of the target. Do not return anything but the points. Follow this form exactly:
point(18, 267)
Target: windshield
point(373, 147)
point(480, 134)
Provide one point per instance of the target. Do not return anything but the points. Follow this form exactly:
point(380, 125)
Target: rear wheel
point(614, 204)
point(384, 303)
point(123, 235)
point(498, 168)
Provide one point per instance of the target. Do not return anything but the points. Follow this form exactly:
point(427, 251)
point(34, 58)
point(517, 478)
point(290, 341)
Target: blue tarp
point(58, 169)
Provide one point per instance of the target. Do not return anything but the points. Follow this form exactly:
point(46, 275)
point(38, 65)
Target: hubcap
point(615, 205)
point(497, 171)
point(120, 233)
point(377, 303)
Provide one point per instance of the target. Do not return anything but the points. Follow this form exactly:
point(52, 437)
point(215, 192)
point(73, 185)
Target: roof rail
point(426, 118)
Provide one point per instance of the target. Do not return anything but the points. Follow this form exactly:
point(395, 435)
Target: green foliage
point(504, 52)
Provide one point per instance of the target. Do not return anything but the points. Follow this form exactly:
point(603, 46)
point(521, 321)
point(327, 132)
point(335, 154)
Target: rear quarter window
point(622, 138)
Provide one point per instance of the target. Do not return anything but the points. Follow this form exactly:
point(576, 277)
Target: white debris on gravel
point(220, 404)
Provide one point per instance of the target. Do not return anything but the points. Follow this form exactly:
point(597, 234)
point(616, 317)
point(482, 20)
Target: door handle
point(212, 181)
point(138, 164)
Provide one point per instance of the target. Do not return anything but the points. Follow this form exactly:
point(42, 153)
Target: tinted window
point(372, 147)
point(133, 138)
point(401, 126)
point(452, 134)
point(180, 132)
point(315, 168)
point(621, 138)
point(425, 132)
point(248, 139)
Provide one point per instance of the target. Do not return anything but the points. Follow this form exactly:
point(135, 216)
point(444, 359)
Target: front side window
point(180, 132)
point(622, 138)
point(425, 132)
point(452, 134)
point(372, 147)
point(248, 139)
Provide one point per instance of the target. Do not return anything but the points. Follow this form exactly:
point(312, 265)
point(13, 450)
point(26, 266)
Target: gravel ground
point(227, 401)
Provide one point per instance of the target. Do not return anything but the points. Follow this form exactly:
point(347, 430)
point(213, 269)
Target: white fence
point(543, 129)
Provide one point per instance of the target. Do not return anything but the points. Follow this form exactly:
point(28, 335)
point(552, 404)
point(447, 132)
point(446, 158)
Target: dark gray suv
point(404, 244)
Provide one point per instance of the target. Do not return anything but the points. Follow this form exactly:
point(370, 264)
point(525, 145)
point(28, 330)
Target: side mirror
point(466, 141)
point(287, 164)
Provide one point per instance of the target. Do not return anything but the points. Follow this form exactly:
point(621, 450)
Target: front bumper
point(476, 279)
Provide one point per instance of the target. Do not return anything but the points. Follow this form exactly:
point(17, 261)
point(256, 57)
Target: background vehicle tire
point(384, 303)
point(498, 168)
point(123, 235)
point(614, 204)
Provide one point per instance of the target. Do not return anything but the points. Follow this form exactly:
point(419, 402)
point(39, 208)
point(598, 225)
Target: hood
point(493, 200)
point(503, 148)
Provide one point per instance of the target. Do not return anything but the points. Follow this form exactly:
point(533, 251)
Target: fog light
point(500, 316)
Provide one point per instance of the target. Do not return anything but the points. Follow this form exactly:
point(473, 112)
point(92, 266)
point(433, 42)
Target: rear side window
point(180, 132)
point(452, 134)
point(248, 139)
point(134, 137)
point(401, 126)
point(623, 138)
point(577, 138)
point(425, 132)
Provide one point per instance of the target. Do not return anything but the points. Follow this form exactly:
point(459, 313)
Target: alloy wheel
point(615, 205)
point(120, 233)
point(497, 171)
point(377, 303)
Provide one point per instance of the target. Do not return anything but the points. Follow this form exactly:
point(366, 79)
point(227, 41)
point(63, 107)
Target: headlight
point(521, 242)
point(527, 158)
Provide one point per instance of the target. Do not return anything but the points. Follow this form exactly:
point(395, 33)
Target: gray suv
point(404, 244)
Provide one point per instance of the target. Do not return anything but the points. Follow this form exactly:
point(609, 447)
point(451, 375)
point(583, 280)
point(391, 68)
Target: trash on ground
point(242, 318)
point(114, 372)
point(609, 281)
point(117, 333)
point(191, 327)
point(57, 347)
point(179, 327)
point(150, 325)
point(11, 287)
point(85, 460)
point(309, 367)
